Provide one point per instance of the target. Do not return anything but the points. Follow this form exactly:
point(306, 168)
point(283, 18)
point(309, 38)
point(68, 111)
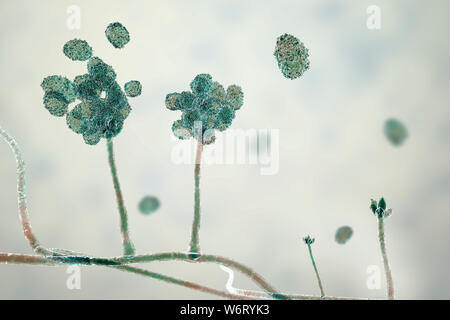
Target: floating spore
point(343, 234)
point(395, 132)
point(117, 35)
point(149, 204)
point(133, 88)
point(77, 50)
point(292, 56)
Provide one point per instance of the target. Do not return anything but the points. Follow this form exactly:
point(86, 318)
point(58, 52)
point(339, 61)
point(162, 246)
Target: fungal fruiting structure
point(208, 107)
point(103, 106)
point(100, 112)
point(203, 110)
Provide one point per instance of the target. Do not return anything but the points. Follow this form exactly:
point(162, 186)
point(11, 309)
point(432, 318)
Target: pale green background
point(333, 155)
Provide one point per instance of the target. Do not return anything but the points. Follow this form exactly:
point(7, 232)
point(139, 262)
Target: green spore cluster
point(117, 35)
point(59, 92)
point(292, 56)
point(77, 50)
point(206, 108)
point(395, 132)
point(343, 234)
point(102, 106)
point(148, 204)
point(133, 88)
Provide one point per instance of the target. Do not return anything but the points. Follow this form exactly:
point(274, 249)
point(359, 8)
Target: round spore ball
point(235, 96)
point(395, 132)
point(117, 35)
point(292, 56)
point(60, 85)
point(343, 234)
point(55, 103)
point(77, 50)
point(148, 204)
point(133, 88)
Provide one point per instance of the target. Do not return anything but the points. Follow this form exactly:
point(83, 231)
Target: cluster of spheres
point(395, 132)
point(292, 56)
point(343, 234)
point(103, 106)
point(206, 109)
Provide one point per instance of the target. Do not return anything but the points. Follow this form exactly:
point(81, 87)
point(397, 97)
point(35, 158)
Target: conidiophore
point(102, 108)
point(205, 109)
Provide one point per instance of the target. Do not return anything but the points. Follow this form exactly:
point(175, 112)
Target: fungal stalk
point(128, 247)
point(194, 244)
point(309, 241)
point(381, 212)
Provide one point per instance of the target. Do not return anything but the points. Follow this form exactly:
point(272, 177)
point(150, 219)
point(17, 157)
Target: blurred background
point(333, 155)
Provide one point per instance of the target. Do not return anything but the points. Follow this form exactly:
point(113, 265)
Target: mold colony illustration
point(101, 108)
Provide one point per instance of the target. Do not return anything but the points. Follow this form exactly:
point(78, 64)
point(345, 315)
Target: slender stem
point(194, 244)
point(21, 192)
point(387, 269)
point(258, 279)
point(187, 284)
point(54, 256)
point(128, 247)
point(38, 260)
point(322, 293)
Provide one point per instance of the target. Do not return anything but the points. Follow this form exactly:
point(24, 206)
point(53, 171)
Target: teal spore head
point(133, 88)
point(395, 132)
point(60, 85)
point(59, 92)
point(292, 56)
point(77, 50)
point(117, 35)
point(206, 109)
point(103, 74)
point(103, 106)
point(308, 240)
point(379, 208)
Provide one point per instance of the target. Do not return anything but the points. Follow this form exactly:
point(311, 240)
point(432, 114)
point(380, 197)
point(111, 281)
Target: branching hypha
point(101, 112)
